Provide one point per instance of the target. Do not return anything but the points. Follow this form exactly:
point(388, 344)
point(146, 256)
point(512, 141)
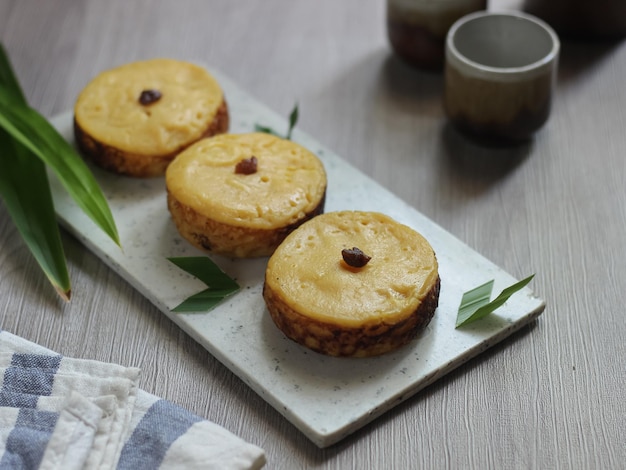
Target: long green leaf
point(26, 193)
point(475, 303)
point(220, 285)
point(31, 210)
point(472, 300)
point(265, 129)
point(34, 132)
point(27, 144)
point(202, 301)
point(293, 120)
point(8, 80)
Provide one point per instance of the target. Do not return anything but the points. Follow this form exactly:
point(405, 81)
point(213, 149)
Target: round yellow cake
point(240, 195)
point(134, 119)
point(352, 283)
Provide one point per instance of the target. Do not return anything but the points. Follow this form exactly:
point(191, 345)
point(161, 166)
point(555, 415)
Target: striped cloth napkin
point(62, 413)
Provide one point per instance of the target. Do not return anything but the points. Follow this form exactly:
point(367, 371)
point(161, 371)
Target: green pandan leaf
point(28, 142)
point(25, 191)
point(264, 129)
point(220, 285)
point(26, 194)
point(35, 133)
point(8, 80)
point(475, 303)
point(293, 120)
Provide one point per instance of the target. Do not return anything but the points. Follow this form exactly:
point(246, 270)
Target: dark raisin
point(355, 257)
point(247, 166)
point(149, 96)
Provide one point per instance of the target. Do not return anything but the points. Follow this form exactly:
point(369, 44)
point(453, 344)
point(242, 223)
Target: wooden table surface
point(551, 396)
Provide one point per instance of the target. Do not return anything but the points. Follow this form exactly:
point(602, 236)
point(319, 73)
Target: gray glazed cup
point(500, 74)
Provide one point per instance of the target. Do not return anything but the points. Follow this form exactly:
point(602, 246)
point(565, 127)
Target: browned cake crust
point(138, 165)
point(216, 237)
point(365, 341)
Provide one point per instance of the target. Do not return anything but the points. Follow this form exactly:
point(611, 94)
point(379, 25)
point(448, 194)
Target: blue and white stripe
point(54, 408)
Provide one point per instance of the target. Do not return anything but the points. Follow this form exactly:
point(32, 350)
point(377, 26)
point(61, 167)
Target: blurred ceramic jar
point(582, 18)
point(417, 28)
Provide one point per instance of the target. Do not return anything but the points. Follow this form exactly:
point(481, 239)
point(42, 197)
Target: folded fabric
point(64, 413)
point(74, 434)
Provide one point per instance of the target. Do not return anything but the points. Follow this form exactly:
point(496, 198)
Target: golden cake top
point(214, 177)
point(152, 107)
point(310, 275)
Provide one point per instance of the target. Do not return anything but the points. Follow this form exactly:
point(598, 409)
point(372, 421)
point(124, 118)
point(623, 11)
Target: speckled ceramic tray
point(325, 398)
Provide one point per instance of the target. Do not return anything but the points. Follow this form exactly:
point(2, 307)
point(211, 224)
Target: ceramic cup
point(417, 29)
point(500, 74)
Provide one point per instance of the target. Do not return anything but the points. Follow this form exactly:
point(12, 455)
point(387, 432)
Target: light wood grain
point(552, 396)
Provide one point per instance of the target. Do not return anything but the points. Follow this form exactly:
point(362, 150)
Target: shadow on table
point(580, 57)
point(319, 456)
point(471, 167)
point(474, 165)
point(466, 167)
point(403, 83)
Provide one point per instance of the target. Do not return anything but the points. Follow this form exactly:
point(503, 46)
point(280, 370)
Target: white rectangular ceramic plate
point(326, 398)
